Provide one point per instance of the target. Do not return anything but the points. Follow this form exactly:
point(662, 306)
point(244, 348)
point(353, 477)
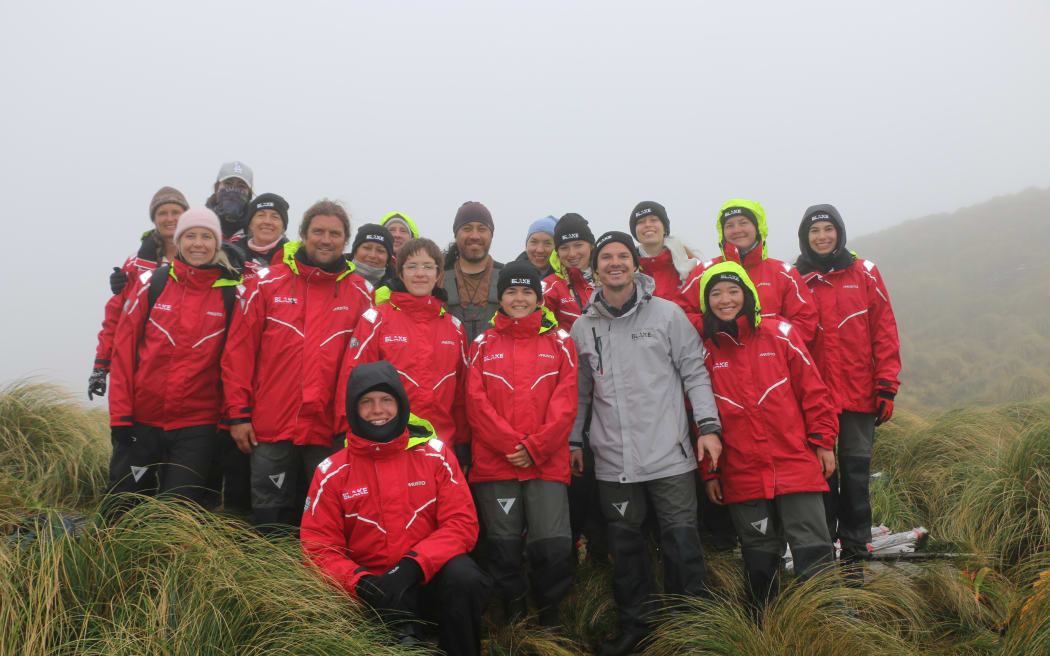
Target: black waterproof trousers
point(229, 477)
point(281, 475)
point(540, 509)
point(625, 506)
point(156, 461)
point(454, 598)
point(848, 504)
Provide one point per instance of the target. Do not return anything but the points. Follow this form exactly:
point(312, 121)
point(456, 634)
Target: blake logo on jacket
point(492, 356)
point(722, 365)
point(162, 306)
point(353, 494)
point(643, 334)
point(285, 299)
point(396, 338)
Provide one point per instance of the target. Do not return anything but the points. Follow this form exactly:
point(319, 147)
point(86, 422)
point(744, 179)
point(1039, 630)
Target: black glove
point(97, 382)
point(117, 280)
point(387, 591)
point(121, 434)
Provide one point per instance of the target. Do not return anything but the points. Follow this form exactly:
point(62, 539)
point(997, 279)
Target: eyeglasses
point(416, 267)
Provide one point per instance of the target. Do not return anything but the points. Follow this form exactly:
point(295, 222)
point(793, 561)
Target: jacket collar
point(754, 256)
point(537, 323)
point(419, 431)
point(417, 305)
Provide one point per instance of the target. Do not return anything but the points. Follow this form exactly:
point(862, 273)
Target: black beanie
point(733, 211)
point(519, 273)
point(378, 234)
point(608, 238)
point(647, 208)
point(267, 202)
point(572, 227)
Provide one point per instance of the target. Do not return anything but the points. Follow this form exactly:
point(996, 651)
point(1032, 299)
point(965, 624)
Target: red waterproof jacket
point(775, 411)
point(428, 347)
point(522, 390)
point(857, 347)
point(566, 293)
point(165, 373)
point(372, 504)
point(143, 260)
point(781, 291)
point(663, 272)
point(282, 359)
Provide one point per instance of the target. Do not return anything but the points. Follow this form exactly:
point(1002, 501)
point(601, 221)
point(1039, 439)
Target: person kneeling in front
point(389, 519)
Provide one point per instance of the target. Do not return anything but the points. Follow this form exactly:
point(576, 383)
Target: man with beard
point(470, 273)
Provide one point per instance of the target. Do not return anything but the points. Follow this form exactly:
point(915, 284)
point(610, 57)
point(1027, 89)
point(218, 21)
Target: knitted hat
point(608, 238)
point(167, 195)
point(267, 202)
point(736, 210)
point(572, 227)
point(546, 224)
point(375, 233)
point(198, 217)
point(235, 169)
point(469, 212)
point(649, 208)
point(519, 273)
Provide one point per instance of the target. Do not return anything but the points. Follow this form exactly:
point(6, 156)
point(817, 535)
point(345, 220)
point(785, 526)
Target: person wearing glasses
point(411, 328)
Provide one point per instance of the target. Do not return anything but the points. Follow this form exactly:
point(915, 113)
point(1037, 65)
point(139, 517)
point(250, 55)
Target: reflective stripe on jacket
point(522, 389)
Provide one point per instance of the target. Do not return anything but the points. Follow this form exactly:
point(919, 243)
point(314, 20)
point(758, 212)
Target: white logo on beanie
point(732, 212)
point(265, 204)
point(639, 213)
point(571, 235)
point(521, 281)
point(375, 238)
point(820, 217)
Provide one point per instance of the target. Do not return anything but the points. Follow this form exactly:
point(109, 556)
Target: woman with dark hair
point(778, 432)
point(858, 354)
point(166, 400)
point(373, 254)
point(411, 328)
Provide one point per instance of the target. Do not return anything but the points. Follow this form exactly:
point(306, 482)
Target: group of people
point(382, 395)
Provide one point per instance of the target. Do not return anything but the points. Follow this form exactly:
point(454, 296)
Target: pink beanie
point(198, 217)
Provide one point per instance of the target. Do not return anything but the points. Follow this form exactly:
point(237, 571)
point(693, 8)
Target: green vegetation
point(168, 579)
point(971, 292)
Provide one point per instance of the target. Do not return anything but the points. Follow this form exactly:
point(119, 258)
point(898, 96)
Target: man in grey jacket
point(637, 354)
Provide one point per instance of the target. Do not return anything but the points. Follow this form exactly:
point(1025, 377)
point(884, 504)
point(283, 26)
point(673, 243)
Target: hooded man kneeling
point(390, 519)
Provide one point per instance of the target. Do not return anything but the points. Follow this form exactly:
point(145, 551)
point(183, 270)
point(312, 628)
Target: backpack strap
point(156, 287)
point(451, 288)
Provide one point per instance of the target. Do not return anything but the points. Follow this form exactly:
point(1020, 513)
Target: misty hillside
point(971, 291)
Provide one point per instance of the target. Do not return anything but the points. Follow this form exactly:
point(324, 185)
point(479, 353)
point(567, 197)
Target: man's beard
point(474, 260)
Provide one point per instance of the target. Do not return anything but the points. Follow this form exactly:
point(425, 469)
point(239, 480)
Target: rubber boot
point(550, 572)
point(632, 589)
point(685, 572)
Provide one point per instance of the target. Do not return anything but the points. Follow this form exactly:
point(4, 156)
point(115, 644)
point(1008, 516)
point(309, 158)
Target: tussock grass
point(170, 579)
point(54, 451)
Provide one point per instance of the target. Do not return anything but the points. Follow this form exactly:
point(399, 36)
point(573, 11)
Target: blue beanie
point(546, 224)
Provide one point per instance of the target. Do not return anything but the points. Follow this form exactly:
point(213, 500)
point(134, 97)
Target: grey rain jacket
point(637, 366)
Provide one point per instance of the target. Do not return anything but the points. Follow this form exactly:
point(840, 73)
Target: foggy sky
point(888, 110)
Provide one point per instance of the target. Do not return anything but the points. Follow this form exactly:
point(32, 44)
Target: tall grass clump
point(815, 618)
point(1028, 629)
point(170, 579)
point(1005, 509)
point(53, 450)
